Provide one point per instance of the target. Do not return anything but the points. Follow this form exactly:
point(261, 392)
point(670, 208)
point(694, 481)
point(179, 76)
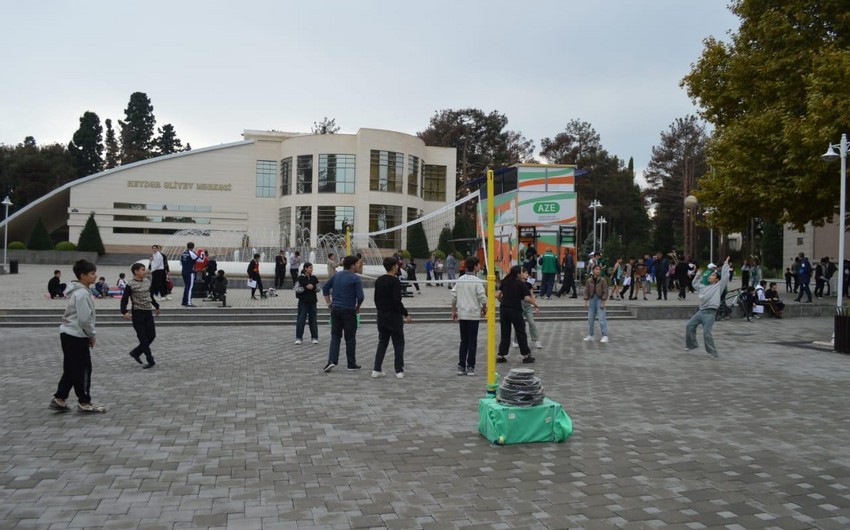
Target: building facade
point(301, 186)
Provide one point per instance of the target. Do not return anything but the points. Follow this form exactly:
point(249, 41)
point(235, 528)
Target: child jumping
point(77, 335)
point(144, 306)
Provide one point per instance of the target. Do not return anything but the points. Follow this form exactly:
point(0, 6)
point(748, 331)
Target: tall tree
point(607, 179)
point(90, 240)
point(481, 141)
point(167, 141)
point(86, 147)
point(326, 126)
point(137, 129)
point(112, 152)
point(776, 94)
point(32, 171)
point(676, 164)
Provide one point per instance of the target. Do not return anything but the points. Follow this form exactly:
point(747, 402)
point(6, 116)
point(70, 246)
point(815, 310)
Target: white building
point(302, 185)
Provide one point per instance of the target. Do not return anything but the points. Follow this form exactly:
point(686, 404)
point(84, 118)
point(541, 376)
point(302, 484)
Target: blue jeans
point(594, 309)
point(548, 285)
point(706, 318)
point(304, 311)
point(343, 321)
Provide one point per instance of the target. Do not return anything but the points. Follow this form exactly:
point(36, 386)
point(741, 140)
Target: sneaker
point(399, 375)
point(528, 359)
point(315, 341)
point(90, 408)
point(137, 358)
point(329, 367)
point(168, 298)
point(298, 341)
point(57, 406)
point(514, 345)
point(604, 339)
point(462, 371)
point(377, 374)
point(149, 365)
point(589, 338)
point(354, 367)
point(501, 359)
point(470, 372)
point(538, 345)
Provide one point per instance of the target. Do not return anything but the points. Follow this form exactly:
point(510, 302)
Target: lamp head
point(6, 201)
point(830, 155)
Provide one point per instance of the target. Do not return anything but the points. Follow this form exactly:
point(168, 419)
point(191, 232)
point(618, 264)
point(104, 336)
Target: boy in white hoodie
point(77, 335)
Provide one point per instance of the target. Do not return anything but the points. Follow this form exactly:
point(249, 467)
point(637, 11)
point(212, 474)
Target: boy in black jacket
point(391, 317)
point(306, 286)
point(144, 306)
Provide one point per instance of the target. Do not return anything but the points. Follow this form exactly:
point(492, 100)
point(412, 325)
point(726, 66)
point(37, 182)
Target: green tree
point(112, 152)
point(32, 171)
point(90, 240)
point(613, 247)
point(137, 129)
point(167, 141)
point(772, 245)
point(39, 237)
point(676, 163)
point(776, 94)
point(326, 126)
point(86, 147)
point(481, 141)
point(445, 242)
point(417, 242)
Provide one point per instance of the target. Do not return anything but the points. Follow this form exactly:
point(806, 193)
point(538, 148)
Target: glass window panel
point(334, 219)
point(304, 174)
point(266, 177)
point(434, 183)
point(413, 175)
point(381, 217)
point(286, 176)
point(336, 173)
point(386, 171)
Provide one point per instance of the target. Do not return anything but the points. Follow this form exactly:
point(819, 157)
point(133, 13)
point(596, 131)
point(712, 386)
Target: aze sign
point(549, 207)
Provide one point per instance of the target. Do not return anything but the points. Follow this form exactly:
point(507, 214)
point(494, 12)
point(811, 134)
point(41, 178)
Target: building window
point(286, 176)
point(303, 219)
point(266, 178)
point(386, 171)
point(336, 174)
point(284, 221)
point(434, 183)
point(161, 213)
point(334, 219)
point(413, 175)
point(304, 174)
point(381, 217)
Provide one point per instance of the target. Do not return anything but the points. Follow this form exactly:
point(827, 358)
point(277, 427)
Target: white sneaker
point(399, 375)
point(514, 345)
point(378, 374)
point(298, 341)
point(589, 338)
point(604, 339)
point(315, 341)
point(539, 346)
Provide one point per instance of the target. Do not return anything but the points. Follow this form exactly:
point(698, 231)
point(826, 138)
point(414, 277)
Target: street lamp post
point(6, 202)
point(830, 156)
point(601, 222)
point(594, 205)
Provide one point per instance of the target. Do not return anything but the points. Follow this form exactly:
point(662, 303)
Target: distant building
point(815, 241)
point(304, 185)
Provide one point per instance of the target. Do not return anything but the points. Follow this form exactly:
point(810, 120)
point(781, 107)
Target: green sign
point(546, 207)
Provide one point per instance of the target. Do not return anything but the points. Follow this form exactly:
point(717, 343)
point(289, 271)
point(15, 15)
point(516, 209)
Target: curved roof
point(53, 207)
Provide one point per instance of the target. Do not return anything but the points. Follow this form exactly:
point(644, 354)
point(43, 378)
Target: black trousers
point(158, 286)
point(569, 283)
point(294, 274)
point(279, 277)
point(76, 368)
point(662, 287)
point(390, 326)
point(146, 333)
point(512, 317)
point(258, 286)
point(468, 343)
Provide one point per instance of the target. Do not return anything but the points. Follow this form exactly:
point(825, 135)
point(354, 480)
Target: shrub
point(90, 240)
point(65, 245)
point(439, 253)
point(445, 242)
point(417, 241)
point(40, 238)
point(405, 254)
point(17, 245)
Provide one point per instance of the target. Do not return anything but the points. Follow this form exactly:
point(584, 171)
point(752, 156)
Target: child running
point(77, 335)
point(144, 305)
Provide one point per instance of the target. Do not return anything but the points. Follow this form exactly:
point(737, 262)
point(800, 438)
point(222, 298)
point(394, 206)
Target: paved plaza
point(239, 428)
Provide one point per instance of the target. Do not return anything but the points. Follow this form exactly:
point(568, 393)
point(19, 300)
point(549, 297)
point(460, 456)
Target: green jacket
point(549, 263)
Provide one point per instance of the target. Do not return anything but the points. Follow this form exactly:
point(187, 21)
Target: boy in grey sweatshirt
point(709, 301)
point(77, 335)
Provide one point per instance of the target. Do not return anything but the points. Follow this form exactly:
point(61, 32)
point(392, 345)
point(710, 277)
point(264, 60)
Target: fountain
point(233, 249)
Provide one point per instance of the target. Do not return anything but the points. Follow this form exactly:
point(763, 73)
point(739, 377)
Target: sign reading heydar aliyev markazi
point(178, 185)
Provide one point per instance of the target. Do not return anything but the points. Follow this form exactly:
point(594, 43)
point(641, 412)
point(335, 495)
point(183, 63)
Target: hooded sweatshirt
point(709, 295)
point(78, 320)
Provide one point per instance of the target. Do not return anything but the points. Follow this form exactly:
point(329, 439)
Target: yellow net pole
point(347, 240)
point(491, 286)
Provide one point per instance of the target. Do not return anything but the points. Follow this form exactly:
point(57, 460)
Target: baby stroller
point(727, 304)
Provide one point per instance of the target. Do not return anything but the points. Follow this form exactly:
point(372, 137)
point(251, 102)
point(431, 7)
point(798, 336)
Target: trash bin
point(842, 331)
point(13, 266)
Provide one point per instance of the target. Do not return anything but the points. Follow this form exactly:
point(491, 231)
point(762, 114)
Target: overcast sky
point(215, 68)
